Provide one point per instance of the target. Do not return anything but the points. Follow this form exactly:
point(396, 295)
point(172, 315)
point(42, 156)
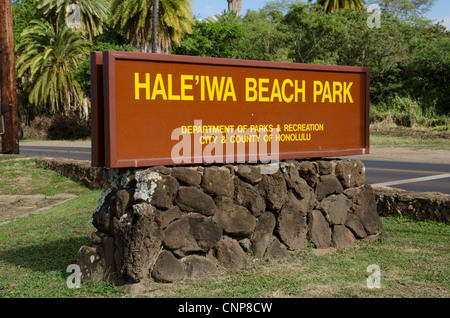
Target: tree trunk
point(235, 5)
point(155, 10)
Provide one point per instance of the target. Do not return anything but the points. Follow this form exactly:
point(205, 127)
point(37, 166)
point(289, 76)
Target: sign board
point(157, 109)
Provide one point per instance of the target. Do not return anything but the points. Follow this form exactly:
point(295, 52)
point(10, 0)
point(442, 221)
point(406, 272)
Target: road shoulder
point(406, 155)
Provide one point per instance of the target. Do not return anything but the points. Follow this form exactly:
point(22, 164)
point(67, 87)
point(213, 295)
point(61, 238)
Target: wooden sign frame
point(254, 89)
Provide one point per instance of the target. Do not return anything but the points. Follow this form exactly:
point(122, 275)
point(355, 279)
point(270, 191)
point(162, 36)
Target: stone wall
point(167, 223)
point(79, 170)
point(421, 206)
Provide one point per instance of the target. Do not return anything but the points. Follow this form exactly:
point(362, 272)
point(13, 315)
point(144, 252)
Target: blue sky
point(206, 8)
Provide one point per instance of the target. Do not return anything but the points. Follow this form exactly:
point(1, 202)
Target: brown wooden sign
point(157, 109)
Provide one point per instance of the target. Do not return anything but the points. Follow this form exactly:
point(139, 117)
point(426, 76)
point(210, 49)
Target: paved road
point(413, 176)
point(72, 152)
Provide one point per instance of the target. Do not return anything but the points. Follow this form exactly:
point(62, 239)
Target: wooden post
point(8, 95)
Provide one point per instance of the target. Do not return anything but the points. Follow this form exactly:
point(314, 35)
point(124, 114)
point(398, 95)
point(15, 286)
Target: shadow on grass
point(51, 256)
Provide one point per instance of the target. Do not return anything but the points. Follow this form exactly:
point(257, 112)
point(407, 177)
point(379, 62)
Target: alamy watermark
point(374, 20)
point(73, 19)
point(374, 279)
point(74, 279)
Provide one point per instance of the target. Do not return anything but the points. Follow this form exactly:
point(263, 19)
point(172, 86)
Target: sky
point(206, 8)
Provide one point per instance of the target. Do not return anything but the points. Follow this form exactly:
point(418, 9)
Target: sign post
point(157, 109)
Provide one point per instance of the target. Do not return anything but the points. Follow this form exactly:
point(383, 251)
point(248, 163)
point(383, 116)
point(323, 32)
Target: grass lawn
point(35, 251)
point(414, 138)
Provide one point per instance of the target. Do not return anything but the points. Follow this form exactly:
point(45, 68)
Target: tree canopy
point(135, 18)
point(48, 57)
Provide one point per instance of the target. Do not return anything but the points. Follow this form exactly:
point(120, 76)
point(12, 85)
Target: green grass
point(22, 175)
point(35, 252)
point(409, 142)
point(413, 138)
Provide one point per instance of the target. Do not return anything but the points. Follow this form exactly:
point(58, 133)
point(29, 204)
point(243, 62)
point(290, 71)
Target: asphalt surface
point(412, 176)
point(73, 152)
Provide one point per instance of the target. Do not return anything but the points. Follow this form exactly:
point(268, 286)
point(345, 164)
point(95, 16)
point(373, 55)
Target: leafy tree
point(209, 39)
point(426, 75)
point(92, 13)
point(135, 18)
point(335, 5)
point(47, 58)
point(404, 8)
point(23, 12)
point(226, 18)
point(265, 37)
point(281, 6)
point(314, 37)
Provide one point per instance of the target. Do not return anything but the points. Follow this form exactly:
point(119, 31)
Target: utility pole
point(9, 116)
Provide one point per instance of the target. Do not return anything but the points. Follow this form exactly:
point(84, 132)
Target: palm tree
point(335, 5)
point(47, 58)
point(92, 13)
point(154, 37)
point(227, 18)
point(235, 5)
point(135, 18)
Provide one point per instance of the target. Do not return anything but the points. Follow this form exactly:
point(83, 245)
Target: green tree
point(209, 39)
point(135, 18)
point(265, 37)
point(93, 13)
point(314, 37)
point(426, 75)
point(335, 5)
point(404, 8)
point(47, 59)
point(23, 12)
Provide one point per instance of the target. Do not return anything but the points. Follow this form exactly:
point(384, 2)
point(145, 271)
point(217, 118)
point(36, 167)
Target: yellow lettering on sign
point(250, 87)
point(158, 88)
point(138, 85)
point(326, 92)
point(215, 88)
point(221, 89)
point(229, 90)
point(336, 92)
point(347, 92)
point(185, 87)
point(276, 93)
point(318, 89)
point(169, 89)
point(263, 89)
point(299, 90)
point(283, 90)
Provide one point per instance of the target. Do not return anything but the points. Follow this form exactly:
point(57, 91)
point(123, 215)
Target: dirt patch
point(17, 206)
